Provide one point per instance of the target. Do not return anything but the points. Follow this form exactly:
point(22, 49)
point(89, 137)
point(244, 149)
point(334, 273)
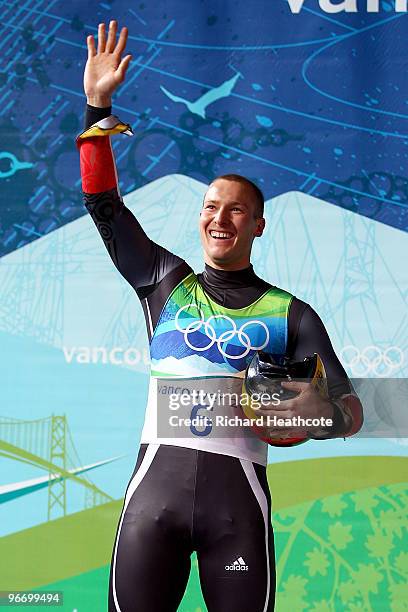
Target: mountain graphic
point(194, 365)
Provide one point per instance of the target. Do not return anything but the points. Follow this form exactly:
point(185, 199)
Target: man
point(199, 491)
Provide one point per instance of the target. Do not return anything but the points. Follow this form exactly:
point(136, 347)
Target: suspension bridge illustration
point(47, 443)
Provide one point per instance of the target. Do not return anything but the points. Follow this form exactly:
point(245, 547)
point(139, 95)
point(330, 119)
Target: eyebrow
point(230, 202)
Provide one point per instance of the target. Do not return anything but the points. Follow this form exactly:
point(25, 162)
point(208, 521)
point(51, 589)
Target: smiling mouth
point(221, 235)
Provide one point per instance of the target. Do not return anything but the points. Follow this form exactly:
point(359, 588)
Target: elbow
point(354, 410)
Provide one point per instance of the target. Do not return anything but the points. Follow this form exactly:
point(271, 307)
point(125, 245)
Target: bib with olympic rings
point(200, 346)
point(195, 334)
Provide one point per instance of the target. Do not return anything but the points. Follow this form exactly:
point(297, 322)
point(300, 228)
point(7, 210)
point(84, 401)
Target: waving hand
point(105, 69)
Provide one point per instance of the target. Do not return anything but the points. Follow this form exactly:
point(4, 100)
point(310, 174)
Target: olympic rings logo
point(221, 339)
point(372, 360)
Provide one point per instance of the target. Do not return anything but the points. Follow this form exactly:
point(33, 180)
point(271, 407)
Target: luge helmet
point(264, 375)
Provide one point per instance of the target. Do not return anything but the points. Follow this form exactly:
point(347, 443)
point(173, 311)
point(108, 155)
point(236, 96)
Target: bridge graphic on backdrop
point(47, 444)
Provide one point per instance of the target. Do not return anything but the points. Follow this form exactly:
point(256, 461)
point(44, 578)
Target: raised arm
point(140, 260)
point(105, 68)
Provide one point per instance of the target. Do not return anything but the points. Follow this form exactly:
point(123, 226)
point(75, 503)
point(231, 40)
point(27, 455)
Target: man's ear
point(260, 226)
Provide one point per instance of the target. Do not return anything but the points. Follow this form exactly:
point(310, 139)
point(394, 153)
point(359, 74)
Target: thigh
point(151, 557)
point(236, 559)
point(150, 571)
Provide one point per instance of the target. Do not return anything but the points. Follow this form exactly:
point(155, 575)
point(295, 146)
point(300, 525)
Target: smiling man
point(232, 216)
point(199, 489)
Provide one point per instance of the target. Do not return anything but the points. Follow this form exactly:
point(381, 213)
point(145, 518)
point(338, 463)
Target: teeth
point(214, 234)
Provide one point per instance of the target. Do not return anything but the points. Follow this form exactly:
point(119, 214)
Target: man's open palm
point(105, 68)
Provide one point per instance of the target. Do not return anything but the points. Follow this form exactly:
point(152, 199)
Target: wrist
point(93, 114)
point(99, 101)
point(340, 425)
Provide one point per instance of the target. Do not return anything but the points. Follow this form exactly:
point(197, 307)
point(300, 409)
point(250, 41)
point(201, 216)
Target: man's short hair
point(259, 197)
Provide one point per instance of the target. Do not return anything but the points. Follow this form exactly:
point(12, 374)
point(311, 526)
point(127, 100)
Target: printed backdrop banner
point(309, 100)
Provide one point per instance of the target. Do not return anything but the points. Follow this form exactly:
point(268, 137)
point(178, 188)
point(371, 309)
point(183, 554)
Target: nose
point(221, 217)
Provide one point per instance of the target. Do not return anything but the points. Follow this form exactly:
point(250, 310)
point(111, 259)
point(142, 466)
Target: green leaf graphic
point(401, 563)
point(368, 578)
point(340, 535)
point(317, 562)
point(333, 506)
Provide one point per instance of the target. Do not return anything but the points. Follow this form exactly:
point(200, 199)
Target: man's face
point(228, 224)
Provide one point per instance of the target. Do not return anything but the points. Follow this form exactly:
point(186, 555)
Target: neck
point(235, 266)
point(209, 267)
point(224, 280)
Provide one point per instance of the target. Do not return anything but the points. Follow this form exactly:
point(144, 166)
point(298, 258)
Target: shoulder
point(302, 318)
point(298, 308)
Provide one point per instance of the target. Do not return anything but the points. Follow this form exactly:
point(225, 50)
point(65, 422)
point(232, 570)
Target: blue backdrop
point(311, 106)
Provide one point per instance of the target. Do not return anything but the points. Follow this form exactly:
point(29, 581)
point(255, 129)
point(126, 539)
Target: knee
point(147, 522)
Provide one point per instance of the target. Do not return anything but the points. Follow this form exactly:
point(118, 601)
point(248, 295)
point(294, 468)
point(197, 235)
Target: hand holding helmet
point(294, 388)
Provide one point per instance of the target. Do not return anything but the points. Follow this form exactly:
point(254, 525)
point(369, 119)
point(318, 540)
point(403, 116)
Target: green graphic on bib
point(195, 336)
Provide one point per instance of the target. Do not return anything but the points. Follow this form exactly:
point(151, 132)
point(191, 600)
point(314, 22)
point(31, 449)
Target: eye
point(209, 206)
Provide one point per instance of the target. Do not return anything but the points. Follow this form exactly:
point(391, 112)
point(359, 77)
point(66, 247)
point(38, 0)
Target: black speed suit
point(179, 499)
